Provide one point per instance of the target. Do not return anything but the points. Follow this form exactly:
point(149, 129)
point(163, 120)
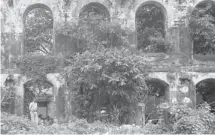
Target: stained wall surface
point(123, 13)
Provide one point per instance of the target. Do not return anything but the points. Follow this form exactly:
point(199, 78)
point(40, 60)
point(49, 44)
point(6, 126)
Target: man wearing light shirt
point(33, 111)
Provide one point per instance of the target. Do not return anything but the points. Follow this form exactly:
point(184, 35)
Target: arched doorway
point(42, 91)
point(202, 25)
point(205, 92)
point(158, 93)
point(150, 25)
point(38, 29)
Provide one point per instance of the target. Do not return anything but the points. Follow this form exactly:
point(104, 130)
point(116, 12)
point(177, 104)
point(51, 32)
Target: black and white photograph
point(107, 67)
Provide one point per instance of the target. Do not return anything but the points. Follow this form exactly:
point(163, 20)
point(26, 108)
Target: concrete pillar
point(140, 114)
point(57, 81)
point(19, 101)
point(173, 88)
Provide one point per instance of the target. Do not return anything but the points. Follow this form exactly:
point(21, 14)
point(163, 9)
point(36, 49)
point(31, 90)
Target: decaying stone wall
point(20, 80)
point(179, 91)
point(120, 11)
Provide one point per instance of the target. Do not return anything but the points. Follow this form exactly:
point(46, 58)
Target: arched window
point(38, 29)
point(92, 19)
point(202, 25)
point(206, 92)
point(95, 11)
point(150, 27)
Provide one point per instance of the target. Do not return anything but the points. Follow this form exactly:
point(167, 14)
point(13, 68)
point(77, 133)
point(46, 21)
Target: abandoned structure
point(177, 85)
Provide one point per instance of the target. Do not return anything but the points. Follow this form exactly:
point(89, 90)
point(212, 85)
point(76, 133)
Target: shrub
point(127, 129)
point(99, 127)
point(118, 74)
point(8, 99)
point(200, 120)
point(186, 120)
point(90, 34)
point(189, 125)
point(12, 124)
point(36, 66)
point(79, 126)
point(159, 128)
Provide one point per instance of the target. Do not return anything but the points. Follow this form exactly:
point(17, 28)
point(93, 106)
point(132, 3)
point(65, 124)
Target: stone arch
point(44, 96)
point(33, 6)
point(155, 2)
point(160, 75)
point(201, 4)
point(199, 77)
point(24, 16)
point(205, 92)
point(158, 93)
point(160, 17)
point(160, 85)
point(97, 7)
point(199, 1)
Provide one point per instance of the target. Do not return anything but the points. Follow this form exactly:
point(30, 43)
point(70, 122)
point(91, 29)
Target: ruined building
point(178, 85)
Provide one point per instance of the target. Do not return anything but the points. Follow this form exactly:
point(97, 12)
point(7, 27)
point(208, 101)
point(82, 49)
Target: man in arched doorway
point(33, 111)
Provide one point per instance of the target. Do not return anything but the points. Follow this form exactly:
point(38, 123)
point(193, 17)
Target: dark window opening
point(95, 17)
point(202, 24)
point(38, 28)
point(150, 26)
point(10, 3)
point(206, 93)
point(42, 104)
point(95, 11)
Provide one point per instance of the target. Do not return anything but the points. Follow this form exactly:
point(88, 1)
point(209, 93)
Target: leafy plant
point(119, 74)
point(8, 94)
point(183, 119)
point(127, 129)
point(38, 26)
point(94, 31)
point(8, 99)
point(159, 128)
point(150, 22)
point(37, 66)
point(196, 121)
point(201, 25)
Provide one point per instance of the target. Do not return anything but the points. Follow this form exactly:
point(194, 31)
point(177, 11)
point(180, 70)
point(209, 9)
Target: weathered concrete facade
point(190, 69)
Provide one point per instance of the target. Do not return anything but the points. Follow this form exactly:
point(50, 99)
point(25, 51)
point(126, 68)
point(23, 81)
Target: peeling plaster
point(13, 23)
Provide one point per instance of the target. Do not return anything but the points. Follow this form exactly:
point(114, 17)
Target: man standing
point(33, 111)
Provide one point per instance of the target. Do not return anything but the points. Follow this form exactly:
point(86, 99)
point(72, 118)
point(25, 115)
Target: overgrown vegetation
point(36, 67)
point(195, 121)
point(184, 120)
point(92, 32)
point(202, 28)
point(105, 76)
point(38, 26)
point(8, 95)
point(117, 76)
point(150, 22)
